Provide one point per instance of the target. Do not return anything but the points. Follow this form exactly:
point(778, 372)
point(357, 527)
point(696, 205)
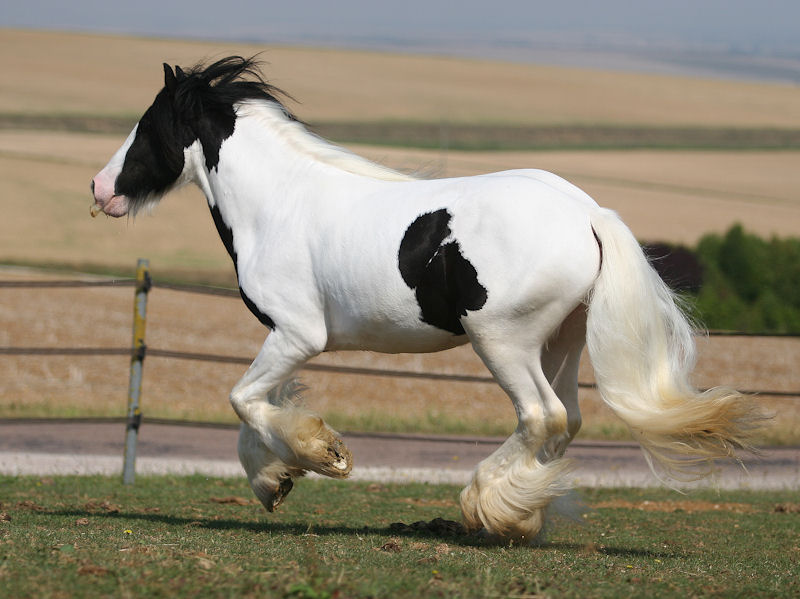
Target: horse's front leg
point(280, 440)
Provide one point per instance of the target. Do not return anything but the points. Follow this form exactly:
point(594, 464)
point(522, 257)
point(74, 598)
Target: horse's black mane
point(226, 82)
point(196, 104)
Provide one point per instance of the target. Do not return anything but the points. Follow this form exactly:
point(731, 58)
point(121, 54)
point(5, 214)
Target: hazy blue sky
point(715, 34)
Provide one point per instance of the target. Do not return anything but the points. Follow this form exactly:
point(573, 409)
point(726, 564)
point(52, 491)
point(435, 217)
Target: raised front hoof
point(316, 447)
point(337, 461)
point(272, 495)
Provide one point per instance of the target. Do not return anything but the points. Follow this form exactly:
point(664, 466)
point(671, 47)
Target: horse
point(334, 252)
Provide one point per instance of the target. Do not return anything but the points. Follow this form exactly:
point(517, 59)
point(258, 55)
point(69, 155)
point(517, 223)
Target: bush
point(737, 281)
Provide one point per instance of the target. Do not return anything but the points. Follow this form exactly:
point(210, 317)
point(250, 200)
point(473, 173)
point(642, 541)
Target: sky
point(735, 38)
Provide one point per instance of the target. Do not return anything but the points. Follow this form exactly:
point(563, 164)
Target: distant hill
point(61, 74)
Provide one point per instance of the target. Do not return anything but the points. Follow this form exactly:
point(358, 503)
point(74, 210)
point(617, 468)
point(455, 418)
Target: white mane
point(295, 134)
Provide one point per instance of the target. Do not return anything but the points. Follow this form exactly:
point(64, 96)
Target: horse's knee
point(557, 419)
point(245, 407)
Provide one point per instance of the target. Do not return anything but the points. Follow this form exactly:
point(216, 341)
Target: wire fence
point(344, 370)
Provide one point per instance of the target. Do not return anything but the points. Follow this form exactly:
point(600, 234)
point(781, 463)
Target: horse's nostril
point(92, 186)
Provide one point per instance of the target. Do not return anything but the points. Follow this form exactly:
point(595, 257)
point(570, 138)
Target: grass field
point(189, 537)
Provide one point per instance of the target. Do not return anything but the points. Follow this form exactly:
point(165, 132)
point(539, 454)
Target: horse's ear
point(179, 74)
point(169, 78)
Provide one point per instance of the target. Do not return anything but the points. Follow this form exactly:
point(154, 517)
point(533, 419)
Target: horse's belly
point(391, 338)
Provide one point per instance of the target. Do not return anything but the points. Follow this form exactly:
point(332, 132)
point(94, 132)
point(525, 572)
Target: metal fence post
point(138, 349)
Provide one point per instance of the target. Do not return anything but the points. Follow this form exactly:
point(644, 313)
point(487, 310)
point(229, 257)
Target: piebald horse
point(334, 252)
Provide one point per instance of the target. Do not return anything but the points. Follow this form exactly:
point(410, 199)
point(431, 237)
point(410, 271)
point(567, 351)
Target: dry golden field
point(673, 196)
point(663, 195)
point(47, 73)
point(44, 178)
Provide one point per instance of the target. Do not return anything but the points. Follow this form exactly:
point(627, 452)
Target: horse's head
point(194, 106)
point(152, 159)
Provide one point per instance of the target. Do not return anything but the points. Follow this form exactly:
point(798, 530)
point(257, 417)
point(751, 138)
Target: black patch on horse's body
point(262, 317)
point(224, 231)
point(212, 132)
point(226, 235)
point(446, 284)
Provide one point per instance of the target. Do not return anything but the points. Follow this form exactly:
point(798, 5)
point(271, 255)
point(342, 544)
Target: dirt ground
point(97, 386)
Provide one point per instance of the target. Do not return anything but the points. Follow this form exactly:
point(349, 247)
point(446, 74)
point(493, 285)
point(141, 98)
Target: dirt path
point(61, 447)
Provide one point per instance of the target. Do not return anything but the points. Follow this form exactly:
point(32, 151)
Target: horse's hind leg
point(511, 488)
point(560, 361)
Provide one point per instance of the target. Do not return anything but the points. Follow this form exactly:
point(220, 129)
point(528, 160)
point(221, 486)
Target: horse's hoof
point(314, 446)
point(280, 494)
point(340, 460)
point(272, 496)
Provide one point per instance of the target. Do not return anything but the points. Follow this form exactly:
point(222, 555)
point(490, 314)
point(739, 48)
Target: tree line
point(737, 281)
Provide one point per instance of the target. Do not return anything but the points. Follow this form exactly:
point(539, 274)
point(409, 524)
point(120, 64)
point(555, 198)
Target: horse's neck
point(265, 181)
point(281, 142)
point(273, 165)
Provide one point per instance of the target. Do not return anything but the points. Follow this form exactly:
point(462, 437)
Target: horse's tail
point(642, 348)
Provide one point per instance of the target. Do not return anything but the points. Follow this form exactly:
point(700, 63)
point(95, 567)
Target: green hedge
point(747, 283)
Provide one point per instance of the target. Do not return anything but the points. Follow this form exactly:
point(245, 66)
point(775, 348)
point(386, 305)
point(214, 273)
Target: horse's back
point(530, 238)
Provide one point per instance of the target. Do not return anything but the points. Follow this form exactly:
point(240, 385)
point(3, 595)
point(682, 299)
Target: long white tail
point(643, 352)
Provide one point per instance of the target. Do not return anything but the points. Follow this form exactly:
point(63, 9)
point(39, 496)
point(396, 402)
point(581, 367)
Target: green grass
point(172, 537)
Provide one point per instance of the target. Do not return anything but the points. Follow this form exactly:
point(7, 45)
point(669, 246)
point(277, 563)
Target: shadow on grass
point(605, 550)
point(433, 533)
point(291, 528)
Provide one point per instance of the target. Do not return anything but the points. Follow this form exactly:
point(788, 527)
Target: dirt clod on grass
point(391, 546)
point(437, 526)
